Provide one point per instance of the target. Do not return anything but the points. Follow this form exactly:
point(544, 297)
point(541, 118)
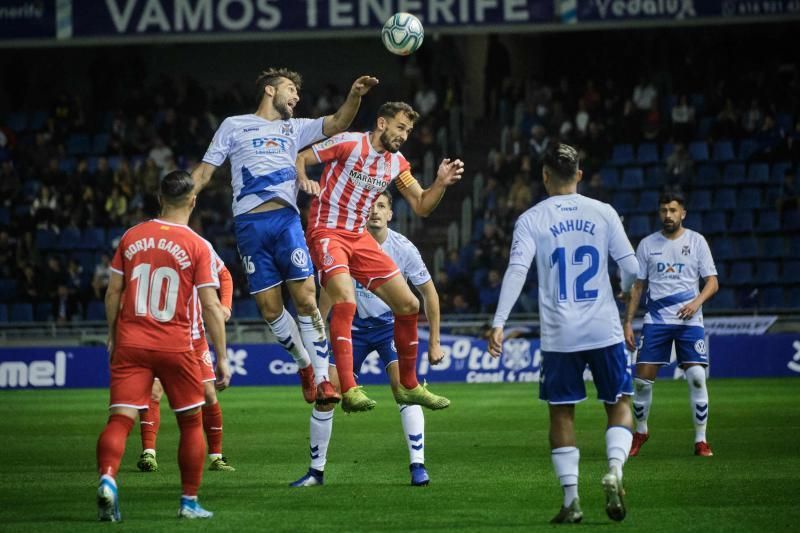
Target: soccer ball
point(402, 34)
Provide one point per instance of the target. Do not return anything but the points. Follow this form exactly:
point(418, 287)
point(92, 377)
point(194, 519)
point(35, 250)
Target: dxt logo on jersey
point(670, 268)
point(270, 145)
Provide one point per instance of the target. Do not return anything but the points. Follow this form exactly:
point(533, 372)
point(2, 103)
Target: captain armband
point(405, 180)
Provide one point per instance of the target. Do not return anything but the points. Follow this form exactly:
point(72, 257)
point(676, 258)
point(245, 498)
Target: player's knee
point(270, 313)
point(306, 307)
point(210, 393)
point(408, 306)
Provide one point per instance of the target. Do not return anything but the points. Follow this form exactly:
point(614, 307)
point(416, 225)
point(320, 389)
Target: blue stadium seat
point(647, 154)
point(778, 170)
point(46, 239)
point(723, 151)
point(5, 216)
point(741, 273)
point(792, 222)
point(639, 226)
point(700, 200)
point(78, 144)
point(21, 312)
point(748, 247)
point(693, 221)
point(100, 143)
point(69, 239)
point(8, 289)
point(747, 148)
point(648, 201)
point(742, 222)
point(768, 222)
point(68, 165)
point(733, 174)
point(632, 178)
point(30, 188)
point(623, 202)
point(791, 271)
point(714, 223)
point(794, 247)
point(93, 239)
point(749, 198)
point(666, 150)
point(3, 313)
point(722, 270)
point(245, 308)
point(96, 310)
point(610, 177)
point(704, 126)
point(114, 162)
point(785, 122)
point(722, 249)
point(43, 312)
point(17, 121)
point(708, 174)
point(772, 297)
point(772, 247)
point(725, 199)
point(114, 233)
point(698, 101)
point(794, 298)
point(38, 120)
point(758, 173)
point(622, 154)
point(655, 176)
point(767, 273)
point(724, 299)
point(698, 150)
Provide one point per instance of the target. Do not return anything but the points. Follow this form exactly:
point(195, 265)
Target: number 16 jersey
point(571, 237)
point(161, 263)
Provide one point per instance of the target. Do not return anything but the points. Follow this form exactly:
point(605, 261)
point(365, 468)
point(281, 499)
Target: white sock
point(194, 498)
point(414, 429)
point(312, 330)
point(149, 450)
point(618, 445)
point(565, 463)
point(698, 397)
point(642, 400)
point(285, 330)
point(214, 456)
point(320, 437)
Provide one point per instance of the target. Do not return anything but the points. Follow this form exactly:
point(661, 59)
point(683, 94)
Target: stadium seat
point(69, 239)
point(647, 154)
point(5, 216)
point(772, 297)
point(725, 199)
point(722, 270)
point(245, 308)
point(767, 273)
point(38, 120)
point(622, 154)
point(648, 201)
point(666, 150)
point(8, 289)
point(747, 148)
point(698, 150)
point(3, 313)
point(703, 130)
point(100, 143)
point(67, 165)
point(723, 152)
point(623, 202)
point(794, 247)
point(758, 173)
point(724, 299)
point(792, 221)
point(30, 188)
point(785, 122)
point(733, 174)
point(749, 198)
point(768, 222)
point(93, 239)
point(21, 312)
point(114, 234)
point(693, 221)
point(708, 175)
point(700, 200)
point(722, 249)
point(17, 121)
point(715, 223)
point(698, 101)
point(632, 178)
point(778, 170)
point(96, 310)
point(639, 226)
point(748, 247)
point(114, 162)
point(793, 300)
point(655, 176)
point(741, 222)
point(46, 239)
point(610, 177)
point(791, 271)
point(43, 312)
point(78, 144)
point(741, 273)
point(772, 247)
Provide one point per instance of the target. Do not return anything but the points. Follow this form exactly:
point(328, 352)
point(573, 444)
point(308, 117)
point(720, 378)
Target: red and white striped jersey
point(354, 175)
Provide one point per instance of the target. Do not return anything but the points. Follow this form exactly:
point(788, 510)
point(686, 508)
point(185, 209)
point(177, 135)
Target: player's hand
point(687, 311)
point(450, 171)
point(435, 353)
point(226, 313)
point(624, 297)
point(223, 372)
point(630, 339)
point(496, 342)
point(308, 186)
point(363, 84)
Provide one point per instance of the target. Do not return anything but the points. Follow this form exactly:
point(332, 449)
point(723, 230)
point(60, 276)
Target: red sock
point(149, 422)
point(212, 425)
point(405, 340)
point(111, 444)
point(342, 343)
point(191, 452)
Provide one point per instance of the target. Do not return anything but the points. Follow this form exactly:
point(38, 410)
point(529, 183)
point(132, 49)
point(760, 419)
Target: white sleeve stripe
point(621, 258)
point(212, 284)
point(120, 272)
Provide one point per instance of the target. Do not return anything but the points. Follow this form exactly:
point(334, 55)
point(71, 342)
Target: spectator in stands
point(789, 198)
point(682, 119)
point(10, 183)
point(770, 140)
point(52, 276)
point(160, 153)
point(539, 142)
point(651, 123)
point(680, 166)
point(595, 146)
point(116, 206)
point(169, 130)
point(793, 144)
point(582, 119)
point(490, 293)
point(66, 306)
point(628, 127)
point(8, 248)
point(644, 95)
point(444, 288)
point(425, 99)
point(119, 139)
point(520, 196)
point(727, 123)
point(28, 284)
point(43, 208)
point(597, 189)
point(102, 273)
point(141, 135)
point(752, 118)
point(453, 268)
point(461, 304)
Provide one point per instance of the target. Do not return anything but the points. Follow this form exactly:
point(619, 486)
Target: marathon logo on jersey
point(270, 145)
point(14, 374)
point(365, 181)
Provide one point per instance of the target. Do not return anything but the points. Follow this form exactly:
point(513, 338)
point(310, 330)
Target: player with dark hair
point(571, 238)
point(358, 167)
point(672, 262)
point(262, 148)
point(373, 330)
point(156, 270)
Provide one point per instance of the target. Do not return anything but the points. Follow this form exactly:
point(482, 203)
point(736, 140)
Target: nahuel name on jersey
point(366, 181)
point(170, 247)
point(573, 225)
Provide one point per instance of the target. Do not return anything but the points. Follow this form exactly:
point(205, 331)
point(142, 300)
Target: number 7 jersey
point(571, 237)
point(161, 264)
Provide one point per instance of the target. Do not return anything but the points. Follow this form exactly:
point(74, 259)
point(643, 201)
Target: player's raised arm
point(424, 201)
point(113, 295)
point(202, 175)
point(341, 120)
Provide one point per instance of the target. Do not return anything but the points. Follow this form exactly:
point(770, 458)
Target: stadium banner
point(616, 10)
point(466, 361)
point(27, 19)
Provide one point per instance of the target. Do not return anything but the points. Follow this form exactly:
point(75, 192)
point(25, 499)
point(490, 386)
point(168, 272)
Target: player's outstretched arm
point(202, 175)
point(424, 201)
point(341, 120)
point(430, 299)
point(214, 320)
point(630, 312)
point(113, 296)
point(304, 183)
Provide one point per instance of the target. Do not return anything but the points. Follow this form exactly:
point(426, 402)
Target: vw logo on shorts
point(700, 347)
point(299, 258)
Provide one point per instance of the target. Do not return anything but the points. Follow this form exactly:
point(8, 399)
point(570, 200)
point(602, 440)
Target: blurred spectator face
point(63, 291)
point(489, 230)
point(494, 277)
point(52, 263)
point(597, 181)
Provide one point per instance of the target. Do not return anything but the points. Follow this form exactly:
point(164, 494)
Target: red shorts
point(133, 370)
point(332, 250)
point(203, 355)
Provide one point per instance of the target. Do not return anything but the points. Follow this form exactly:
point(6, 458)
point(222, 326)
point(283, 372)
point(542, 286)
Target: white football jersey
point(371, 310)
point(571, 237)
point(673, 269)
point(263, 154)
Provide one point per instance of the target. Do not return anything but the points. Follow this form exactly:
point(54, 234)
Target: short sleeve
point(220, 145)
point(116, 263)
point(706, 266)
point(619, 246)
point(334, 148)
point(523, 246)
point(641, 257)
point(205, 270)
point(414, 268)
point(309, 131)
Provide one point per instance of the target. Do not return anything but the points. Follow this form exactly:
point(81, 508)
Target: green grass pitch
point(487, 455)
